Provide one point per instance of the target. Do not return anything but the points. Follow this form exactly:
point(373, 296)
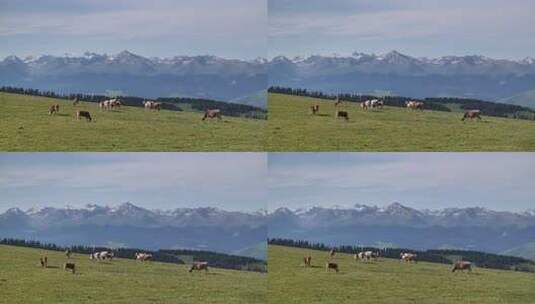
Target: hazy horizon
point(496, 181)
point(149, 180)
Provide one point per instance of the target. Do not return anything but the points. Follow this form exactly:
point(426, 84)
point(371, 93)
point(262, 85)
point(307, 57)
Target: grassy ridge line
point(22, 280)
point(387, 281)
point(291, 127)
point(26, 126)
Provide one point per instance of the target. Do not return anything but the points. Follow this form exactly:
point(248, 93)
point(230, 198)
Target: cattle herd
point(70, 266)
point(379, 104)
point(369, 255)
point(115, 103)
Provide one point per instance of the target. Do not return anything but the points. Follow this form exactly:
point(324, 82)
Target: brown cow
point(315, 109)
point(212, 114)
point(308, 261)
point(415, 105)
point(331, 265)
point(199, 266)
point(152, 105)
point(69, 266)
point(409, 257)
point(462, 265)
point(53, 109)
point(472, 114)
point(83, 114)
point(342, 114)
point(44, 261)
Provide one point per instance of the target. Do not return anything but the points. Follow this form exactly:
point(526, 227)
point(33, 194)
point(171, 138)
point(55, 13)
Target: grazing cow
point(151, 105)
point(70, 267)
point(143, 256)
point(315, 109)
point(379, 104)
point(374, 103)
point(212, 114)
point(53, 109)
point(368, 255)
point(409, 257)
point(308, 261)
point(44, 261)
point(472, 114)
point(462, 265)
point(343, 114)
point(102, 255)
point(83, 114)
point(68, 253)
point(360, 255)
point(199, 266)
point(331, 265)
point(414, 105)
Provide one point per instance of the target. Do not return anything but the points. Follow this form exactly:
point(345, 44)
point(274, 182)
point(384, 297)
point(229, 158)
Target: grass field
point(26, 126)
point(22, 280)
point(388, 281)
point(291, 127)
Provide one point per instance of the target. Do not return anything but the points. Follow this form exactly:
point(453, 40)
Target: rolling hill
point(22, 280)
point(387, 281)
point(291, 127)
point(26, 126)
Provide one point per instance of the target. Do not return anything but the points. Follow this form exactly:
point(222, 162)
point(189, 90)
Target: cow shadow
point(323, 115)
point(62, 114)
point(52, 267)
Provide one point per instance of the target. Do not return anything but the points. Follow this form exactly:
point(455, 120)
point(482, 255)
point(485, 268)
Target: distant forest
point(173, 104)
point(182, 256)
point(436, 104)
point(446, 256)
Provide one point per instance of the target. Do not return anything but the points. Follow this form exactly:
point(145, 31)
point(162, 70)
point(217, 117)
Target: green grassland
point(292, 127)
point(388, 281)
point(26, 126)
point(22, 280)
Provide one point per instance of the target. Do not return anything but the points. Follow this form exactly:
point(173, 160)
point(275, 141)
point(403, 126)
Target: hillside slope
point(22, 280)
point(291, 127)
point(526, 99)
point(26, 126)
point(387, 281)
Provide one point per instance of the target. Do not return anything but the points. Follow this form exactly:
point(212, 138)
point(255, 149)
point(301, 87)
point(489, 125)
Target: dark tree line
point(173, 104)
point(480, 259)
point(436, 104)
point(214, 259)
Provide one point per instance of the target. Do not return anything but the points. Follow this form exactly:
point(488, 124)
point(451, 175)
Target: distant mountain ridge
point(133, 226)
point(185, 76)
point(471, 76)
point(401, 226)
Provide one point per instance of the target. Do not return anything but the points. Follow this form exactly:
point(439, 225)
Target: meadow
point(387, 281)
point(292, 127)
point(23, 280)
point(26, 126)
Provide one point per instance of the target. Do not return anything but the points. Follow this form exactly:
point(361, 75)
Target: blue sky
point(230, 181)
point(162, 28)
point(498, 181)
point(426, 28)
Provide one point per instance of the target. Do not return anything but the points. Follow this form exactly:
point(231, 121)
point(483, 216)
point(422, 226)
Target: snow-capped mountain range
point(185, 76)
point(471, 76)
point(397, 225)
point(132, 226)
